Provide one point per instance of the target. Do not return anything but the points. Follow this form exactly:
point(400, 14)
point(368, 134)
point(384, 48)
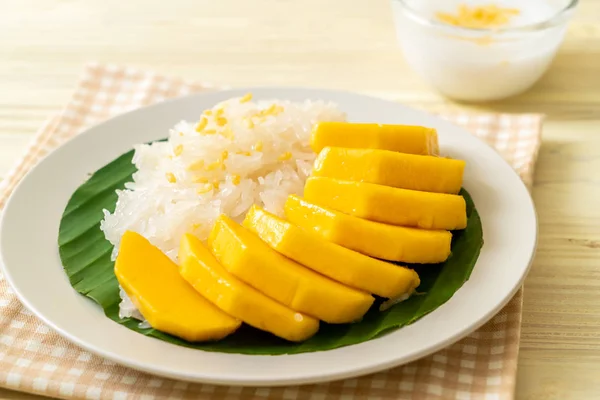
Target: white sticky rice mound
point(248, 153)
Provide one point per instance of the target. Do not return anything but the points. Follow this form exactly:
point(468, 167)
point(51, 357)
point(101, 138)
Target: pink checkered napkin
point(37, 360)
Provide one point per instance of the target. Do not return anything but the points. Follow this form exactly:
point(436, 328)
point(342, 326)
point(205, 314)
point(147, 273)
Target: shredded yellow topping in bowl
point(479, 17)
point(246, 98)
point(171, 177)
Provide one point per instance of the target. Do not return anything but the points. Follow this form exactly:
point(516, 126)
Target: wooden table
point(347, 44)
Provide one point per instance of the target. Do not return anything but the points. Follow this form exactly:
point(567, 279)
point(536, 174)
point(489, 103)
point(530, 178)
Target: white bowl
point(481, 64)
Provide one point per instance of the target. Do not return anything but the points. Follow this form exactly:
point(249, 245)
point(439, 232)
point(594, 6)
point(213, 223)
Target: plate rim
point(371, 368)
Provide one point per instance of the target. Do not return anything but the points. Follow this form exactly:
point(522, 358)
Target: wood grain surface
point(345, 44)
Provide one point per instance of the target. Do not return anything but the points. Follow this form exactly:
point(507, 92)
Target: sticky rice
point(237, 154)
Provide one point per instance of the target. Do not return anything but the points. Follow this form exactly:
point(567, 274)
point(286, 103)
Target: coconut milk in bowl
point(478, 50)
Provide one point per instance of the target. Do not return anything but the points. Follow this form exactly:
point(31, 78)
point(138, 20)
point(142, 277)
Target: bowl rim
point(556, 19)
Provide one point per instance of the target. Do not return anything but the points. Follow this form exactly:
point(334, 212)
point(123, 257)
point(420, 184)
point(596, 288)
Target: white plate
point(28, 246)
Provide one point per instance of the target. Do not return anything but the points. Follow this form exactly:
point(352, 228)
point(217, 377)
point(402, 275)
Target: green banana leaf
point(85, 255)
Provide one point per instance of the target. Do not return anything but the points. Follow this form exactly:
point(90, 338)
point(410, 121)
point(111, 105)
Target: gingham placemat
point(35, 359)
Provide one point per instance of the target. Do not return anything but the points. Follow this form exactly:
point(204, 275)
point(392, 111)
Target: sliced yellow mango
point(200, 268)
point(389, 205)
point(163, 297)
point(390, 168)
point(253, 261)
point(401, 138)
point(389, 242)
point(336, 262)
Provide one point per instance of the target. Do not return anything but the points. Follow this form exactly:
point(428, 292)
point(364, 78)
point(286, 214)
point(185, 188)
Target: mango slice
point(401, 138)
point(247, 257)
point(336, 262)
point(163, 297)
point(389, 242)
point(389, 205)
point(389, 168)
point(200, 268)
